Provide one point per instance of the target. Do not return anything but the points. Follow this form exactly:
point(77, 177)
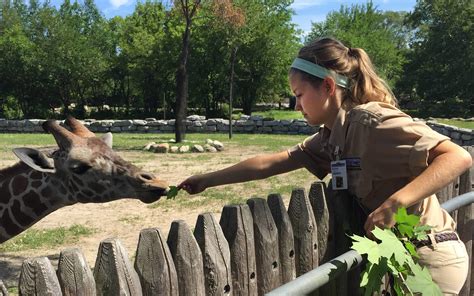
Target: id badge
point(339, 174)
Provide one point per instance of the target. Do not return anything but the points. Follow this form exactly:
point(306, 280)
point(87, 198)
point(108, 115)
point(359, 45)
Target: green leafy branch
point(396, 255)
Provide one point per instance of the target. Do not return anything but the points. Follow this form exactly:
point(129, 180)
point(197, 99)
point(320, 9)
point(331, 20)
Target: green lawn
point(280, 114)
point(457, 123)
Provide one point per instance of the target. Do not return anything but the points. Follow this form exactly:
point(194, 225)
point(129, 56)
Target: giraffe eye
point(80, 168)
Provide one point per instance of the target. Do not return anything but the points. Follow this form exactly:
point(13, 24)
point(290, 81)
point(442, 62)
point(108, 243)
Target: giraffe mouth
point(153, 195)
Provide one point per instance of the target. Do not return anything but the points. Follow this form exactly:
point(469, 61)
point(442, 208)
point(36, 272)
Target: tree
point(188, 9)
point(378, 33)
point(439, 72)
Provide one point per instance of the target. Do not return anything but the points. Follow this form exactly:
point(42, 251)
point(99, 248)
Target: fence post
point(286, 241)
point(187, 259)
point(3, 289)
point(266, 246)
point(113, 272)
point(38, 277)
point(154, 264)
point(305, 232)
point(215, 255)
point(465, 225)
point(74, 274)
point(237, 225)
point(324, 216)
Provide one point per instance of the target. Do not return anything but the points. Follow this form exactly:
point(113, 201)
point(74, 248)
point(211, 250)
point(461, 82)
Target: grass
point(280, 114)
point(36, 239)
point(457, 123)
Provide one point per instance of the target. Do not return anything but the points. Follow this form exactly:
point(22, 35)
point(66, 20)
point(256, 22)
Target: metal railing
point(313, 280)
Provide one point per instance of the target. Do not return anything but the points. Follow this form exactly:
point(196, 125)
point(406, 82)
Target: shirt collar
point(339, 129)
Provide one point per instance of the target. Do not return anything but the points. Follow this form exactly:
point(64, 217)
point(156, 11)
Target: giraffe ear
point(108, 139)
point(35, 159)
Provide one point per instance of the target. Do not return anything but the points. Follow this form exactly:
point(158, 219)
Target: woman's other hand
point(194, 184)
point(382, 217)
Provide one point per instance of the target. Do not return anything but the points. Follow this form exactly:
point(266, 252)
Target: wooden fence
point(254, 248)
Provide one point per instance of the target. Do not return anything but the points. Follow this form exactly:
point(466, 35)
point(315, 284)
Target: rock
point(209, 148)
point(174, 149)
point(197, 148)
point(209, 142)
point(218, 145)
point(184, 149)
point(148, 146)
point(161, 148)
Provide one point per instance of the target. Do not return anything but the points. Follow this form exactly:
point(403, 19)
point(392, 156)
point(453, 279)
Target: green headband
point(318, 71)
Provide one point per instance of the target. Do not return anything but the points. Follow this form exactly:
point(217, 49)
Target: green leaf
point(421, 282)
point(391, 246)
point(420, 231)
point(172, 192)
point(363, 245)
point(372, 277)
point(411, 249)
point(406, 222)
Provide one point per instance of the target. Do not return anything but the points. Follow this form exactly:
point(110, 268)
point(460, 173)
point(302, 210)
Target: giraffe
point(84, 169)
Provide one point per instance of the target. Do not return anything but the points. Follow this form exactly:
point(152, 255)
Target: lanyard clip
point(337, 153)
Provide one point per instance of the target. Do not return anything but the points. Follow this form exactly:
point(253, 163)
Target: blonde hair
point(354, 63)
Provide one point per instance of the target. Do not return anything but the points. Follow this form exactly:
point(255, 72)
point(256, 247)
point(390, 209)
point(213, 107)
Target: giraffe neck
point(26, 196)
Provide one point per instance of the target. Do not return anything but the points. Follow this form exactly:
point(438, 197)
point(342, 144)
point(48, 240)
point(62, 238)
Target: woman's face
point(312, 101)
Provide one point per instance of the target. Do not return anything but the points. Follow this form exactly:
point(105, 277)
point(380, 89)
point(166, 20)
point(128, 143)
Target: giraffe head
point(87, 168)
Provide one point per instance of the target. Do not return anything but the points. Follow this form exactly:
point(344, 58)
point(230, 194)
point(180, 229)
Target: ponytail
point(354, 63)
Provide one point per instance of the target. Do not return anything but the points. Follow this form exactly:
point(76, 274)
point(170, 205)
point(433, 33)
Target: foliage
point(396, 255)
point(381, 35)
point(441, 63)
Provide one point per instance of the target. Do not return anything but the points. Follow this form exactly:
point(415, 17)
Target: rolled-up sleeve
point(310, 154)
point(399, 147)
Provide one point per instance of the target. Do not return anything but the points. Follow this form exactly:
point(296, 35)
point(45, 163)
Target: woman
point(374, 150)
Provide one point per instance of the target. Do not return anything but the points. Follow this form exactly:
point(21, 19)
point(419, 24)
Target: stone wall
point(198, 124)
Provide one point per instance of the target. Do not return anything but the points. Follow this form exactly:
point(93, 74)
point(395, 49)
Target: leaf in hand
point(367, 246)
point(172, 192)
point(421, 282)
point(391, 246)
point(406, 222)
point(419, 232)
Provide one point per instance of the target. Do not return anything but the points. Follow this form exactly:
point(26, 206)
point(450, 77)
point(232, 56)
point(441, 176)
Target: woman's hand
point(382, 217)
point(194, 184)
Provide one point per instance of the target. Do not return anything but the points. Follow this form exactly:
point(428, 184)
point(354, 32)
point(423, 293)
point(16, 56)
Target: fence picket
point(305, 232)
point(38, 278)
point(286, 243)
point(3, 289)
point(74, 274)
point(154, 264)
point(113, 272)
point(266, 246)
point(237, 226)
point(465, 225)
point(215, 255)
point(187, 259)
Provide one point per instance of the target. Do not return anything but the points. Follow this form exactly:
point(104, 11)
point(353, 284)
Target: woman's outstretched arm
point(259, 167)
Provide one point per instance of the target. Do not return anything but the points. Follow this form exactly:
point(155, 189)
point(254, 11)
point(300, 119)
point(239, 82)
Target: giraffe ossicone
point(83, 169)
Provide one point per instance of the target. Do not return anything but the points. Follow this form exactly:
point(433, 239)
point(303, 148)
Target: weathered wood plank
point(187, 259)
point(286, 241)
point(465, 225)
point(3, 289)
point(215, 255)
point(325, 223)
point(113, 272)
point(38, 277)
point(74, 274)
point(154, 264)
point(305, 232)
point(317, 198)
point(237, 225)
point(266, 246)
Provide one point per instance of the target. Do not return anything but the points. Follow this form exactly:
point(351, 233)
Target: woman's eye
point(80, 168)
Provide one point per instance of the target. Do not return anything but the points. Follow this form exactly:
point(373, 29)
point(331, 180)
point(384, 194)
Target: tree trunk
point(182, 87)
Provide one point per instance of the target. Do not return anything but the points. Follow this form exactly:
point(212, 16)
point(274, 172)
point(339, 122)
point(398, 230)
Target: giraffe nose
point(146, 177)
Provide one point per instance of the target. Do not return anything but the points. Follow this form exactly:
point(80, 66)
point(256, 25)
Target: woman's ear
point(329, 85)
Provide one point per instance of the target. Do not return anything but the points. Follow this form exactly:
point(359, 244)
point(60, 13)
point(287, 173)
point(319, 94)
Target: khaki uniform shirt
point(384, 149)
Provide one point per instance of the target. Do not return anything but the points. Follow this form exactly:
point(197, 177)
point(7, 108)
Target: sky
point(306, 11)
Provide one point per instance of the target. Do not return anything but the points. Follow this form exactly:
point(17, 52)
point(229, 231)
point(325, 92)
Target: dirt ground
point(124, 219)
